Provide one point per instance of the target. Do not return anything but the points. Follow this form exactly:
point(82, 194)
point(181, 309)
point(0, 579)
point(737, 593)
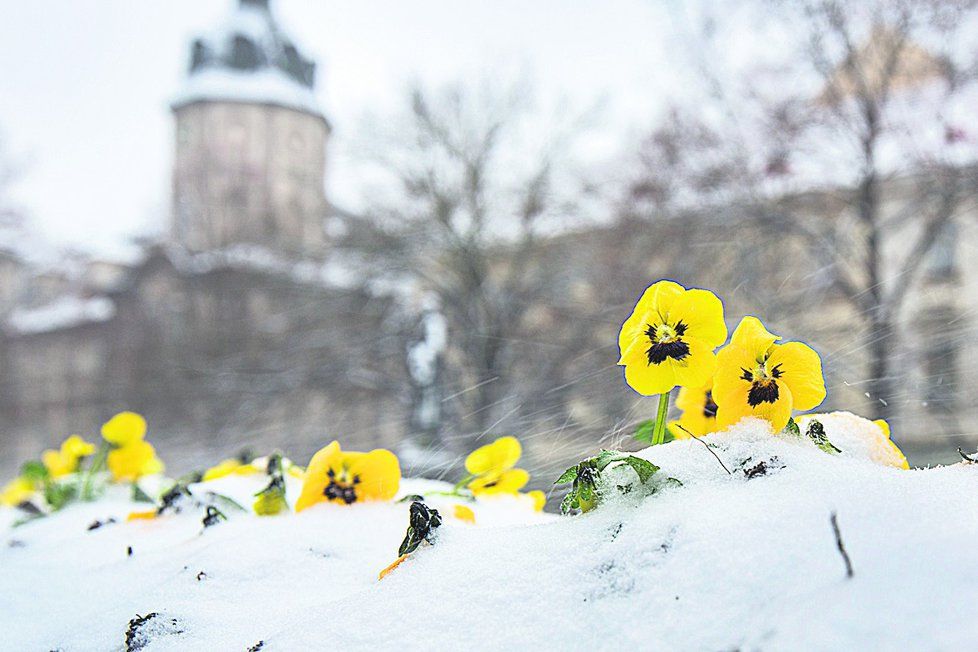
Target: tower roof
point(249, 59)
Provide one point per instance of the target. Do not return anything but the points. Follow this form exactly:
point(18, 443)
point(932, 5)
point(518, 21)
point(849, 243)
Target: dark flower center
point(764, 386)
point(762, 391)
point(341, 488)
point(666, 342)
point(710, 406)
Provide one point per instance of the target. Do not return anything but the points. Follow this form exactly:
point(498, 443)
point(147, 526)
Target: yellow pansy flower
point(669, 338)
point(699, 412)
point(65, 460)
point(539, 499)
point(346, 478)
point(493, 483)
point(886, 452)
point(132, 461)
point(756, 377)
point(16, 491)
point(492, 468)
point(464, 513)
point(124, 428)
point(228, 467)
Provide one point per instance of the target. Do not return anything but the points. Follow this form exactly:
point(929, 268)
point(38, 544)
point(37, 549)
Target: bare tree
point(471, 199)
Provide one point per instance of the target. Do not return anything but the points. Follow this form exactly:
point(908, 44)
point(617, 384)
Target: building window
point(244, 54)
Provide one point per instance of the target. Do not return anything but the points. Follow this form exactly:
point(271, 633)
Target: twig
point(838, 543)
point(967, 458)
point(712, 452)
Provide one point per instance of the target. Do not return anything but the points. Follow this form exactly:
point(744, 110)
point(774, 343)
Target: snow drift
point(741, 560)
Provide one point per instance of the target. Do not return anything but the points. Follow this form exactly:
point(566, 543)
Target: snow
point(265, 86)
point(721, 562)
point(247, 257)
point(63, 312)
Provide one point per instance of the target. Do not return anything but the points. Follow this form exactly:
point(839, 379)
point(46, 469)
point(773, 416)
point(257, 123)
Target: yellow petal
point(464, 513)
point(697, 368)
point(58, 464)
point(507, 482)
point(801, 370)
point(732, 360)
point(224, 468)
point(651, 308)
point(16, 491)
point(884, 426)
point(124, 428)
point(702, 313)
point(890, 454)
point(751, 336)
point(147, 515)
point(75, 446)
point(735, 407)
point(498, 456)
point(387, 571)
point(316, 477)
point(649, 379)
point(539, 499)
point(380, 475)
point(131, 462)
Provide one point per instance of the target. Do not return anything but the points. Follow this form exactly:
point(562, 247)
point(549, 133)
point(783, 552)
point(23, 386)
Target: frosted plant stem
point(97, 463)
point(659, 432)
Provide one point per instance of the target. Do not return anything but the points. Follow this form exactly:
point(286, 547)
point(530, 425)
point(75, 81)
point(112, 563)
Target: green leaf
point(59, 495)
point(643, 432)
point(34, 471)
point(140, 496)
point(643, 468)
point(604, 458)
point(792, 428)
point(568, 503)
point(410, 498)
point(570, 475)
point(816, 432)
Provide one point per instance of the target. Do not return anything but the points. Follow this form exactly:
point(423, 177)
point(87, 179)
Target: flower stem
point(98, 462)
point(659, 432)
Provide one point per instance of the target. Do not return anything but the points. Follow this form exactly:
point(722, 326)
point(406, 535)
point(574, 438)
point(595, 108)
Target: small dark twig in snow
point(712, 452)
point(838, 543)
point(967, 458)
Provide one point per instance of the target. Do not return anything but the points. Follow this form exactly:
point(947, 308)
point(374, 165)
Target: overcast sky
point(85, 86)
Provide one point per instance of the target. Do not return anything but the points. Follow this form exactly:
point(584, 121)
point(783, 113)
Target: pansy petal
point(751, 336)
point(124, 428)
point(379, 472)
point(883, 426)
point(500, 455)
point(801, 370)
point(652, 306)
point(732, 361)
point(735, 407)
point(316, 478)
point(650, 379)
point(697, 368)
point(702, 313)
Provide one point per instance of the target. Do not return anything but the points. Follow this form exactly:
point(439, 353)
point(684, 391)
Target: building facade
point(234, 330)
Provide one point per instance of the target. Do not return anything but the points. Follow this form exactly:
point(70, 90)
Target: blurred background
point(270, 223)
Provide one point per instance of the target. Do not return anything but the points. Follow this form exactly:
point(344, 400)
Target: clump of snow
point(63, 312)
point(265, 86)
point(739, 560)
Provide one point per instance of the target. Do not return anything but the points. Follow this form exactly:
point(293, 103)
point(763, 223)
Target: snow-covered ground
point(722, 562)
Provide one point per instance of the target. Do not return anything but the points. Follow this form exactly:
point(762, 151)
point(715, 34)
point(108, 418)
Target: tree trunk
point(881, 381)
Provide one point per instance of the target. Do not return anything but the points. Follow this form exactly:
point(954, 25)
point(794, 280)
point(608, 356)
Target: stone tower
point(250, 141)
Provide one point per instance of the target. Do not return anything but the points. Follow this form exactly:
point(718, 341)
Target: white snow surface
point(721, 562)
point(265, 86)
